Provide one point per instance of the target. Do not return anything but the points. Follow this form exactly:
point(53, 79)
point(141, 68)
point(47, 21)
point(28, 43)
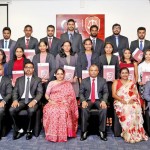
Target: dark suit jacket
point(113, 61)
point(82, 62)
point(85, 89)
point(49, 59)
point(11, 64)
point(36, 89)
point(11, 46)
point(77, 45)
point(56, 44)
point(99, 48)
point(33, 43)
point(135, 44)
point(123, 43)
point(5, 89)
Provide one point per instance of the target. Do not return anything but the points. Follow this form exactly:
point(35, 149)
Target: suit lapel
point(105, 60)
point(24, 42)
point(30, 42)
point(98, 84)
point(22, 82)
point(10, 42)
point(53, 42)
point(32, 82)
point(2, 44)
point(1, 83)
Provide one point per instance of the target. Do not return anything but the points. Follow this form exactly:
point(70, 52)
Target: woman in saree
point(60, 114)
point(128, 108)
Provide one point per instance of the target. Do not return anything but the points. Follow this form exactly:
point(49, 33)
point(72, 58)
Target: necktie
point(141, 45)
point(27, 91)
point(117, 41)
point(94, 43)
point(93, 91)
point(5, 44)
point(27, 43)
point(50, 42)
point(71, 38)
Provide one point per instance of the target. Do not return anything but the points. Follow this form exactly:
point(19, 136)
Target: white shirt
point(26, 39)
point(93, 38)
point(96, 93)
point(23, 96)
point(8, 40)
point(0, 82)
point(143, 67)
point(143, 41)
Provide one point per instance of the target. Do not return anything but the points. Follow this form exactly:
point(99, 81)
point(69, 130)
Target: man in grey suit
point(119, 42)
point(72, 36)
point(141, 42)
point(53, 42)
point(27, 41)
point(27, 94)
point(93, 93)
point(5, 95)
point(98, 44)
point(6, 42)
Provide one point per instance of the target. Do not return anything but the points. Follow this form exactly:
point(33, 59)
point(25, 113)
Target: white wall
point(129, 13)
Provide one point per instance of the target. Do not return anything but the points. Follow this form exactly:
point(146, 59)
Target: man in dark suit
point(141, 42)
point(93, 93)
point(6, 42)
point(72, 36)
point(98, 44)
point(53, 42)
point(27, 41)
point(119, 42)
point(5, 94)
point(27, 94)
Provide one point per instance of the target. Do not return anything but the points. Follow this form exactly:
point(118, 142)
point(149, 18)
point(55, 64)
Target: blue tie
point(71, 38)
point(5, 44)
point(117, 41)
point(141, 45)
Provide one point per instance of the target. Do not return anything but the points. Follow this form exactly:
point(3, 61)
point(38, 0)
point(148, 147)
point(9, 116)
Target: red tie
point(50, 42)
point(93, 91)
point(27, 43)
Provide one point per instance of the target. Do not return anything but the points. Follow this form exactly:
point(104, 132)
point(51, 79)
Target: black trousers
point(2, 114)
point(31, 112)
point(85, 114)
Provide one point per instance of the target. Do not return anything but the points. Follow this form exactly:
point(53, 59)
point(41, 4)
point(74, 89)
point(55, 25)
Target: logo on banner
point(140, 56)
point(110, 76)
point(147, 78)
point(89, 21)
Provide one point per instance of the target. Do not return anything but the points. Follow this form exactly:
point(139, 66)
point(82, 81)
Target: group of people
point(58, 96)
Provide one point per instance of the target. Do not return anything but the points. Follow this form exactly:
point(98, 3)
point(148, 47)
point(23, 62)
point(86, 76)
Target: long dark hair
point(88, 39)
point(15, 57)
point(143, 59)
point(44, 43)
point(62, 53)
point(4, 56)
point(106, 43)
point(60, 69)
point(123, 58)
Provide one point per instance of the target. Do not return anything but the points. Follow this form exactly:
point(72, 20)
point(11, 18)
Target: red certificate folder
point(16, 74)
point(137, 55)
point(131, 74)
point(7, 53)
point(69, 72)
point(109, 72)
point(29, 53)
point(145, 77)
point(43, 70)
point(85, 74)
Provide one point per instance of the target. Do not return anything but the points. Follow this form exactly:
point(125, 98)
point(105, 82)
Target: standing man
point(6, 42)
point(98, 44)
point(141, 42)
point(93, 94)
point(53, 42)
point(27, 41)
point(119, 42)
point(72, 36)
point(26, 95)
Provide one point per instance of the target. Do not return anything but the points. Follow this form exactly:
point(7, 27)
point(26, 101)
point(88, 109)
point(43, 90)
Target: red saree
point(60, 118)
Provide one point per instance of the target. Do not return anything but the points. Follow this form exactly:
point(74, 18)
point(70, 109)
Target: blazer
point(33, 43)
point(11, 47)
point(123, 43)
point(36, 88)
point(55, 47)
point(11, 64)
point(6, 89)
point(49, 59)
point(135, 44)
point(82, 62)
point(114, 61)
point(77, 45)
point(85, 89)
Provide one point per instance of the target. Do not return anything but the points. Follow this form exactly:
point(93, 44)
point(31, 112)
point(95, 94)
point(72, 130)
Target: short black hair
point(94, 26)
point(50, 26)
point(70, 20)
point(31, 63)
point(116, 24)
point(60, 69)
point(141, 28)
point(28, 26)
point(124, 68)
point(7, 28)
point(110, 44)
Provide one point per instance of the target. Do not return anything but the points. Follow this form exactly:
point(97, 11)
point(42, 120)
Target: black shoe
point(29, 136)
point(102, 136)
point(17, 135)
point(83, 136)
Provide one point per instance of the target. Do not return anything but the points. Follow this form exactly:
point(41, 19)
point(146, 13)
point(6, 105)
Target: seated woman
point(60, 114)
point(128, 108)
